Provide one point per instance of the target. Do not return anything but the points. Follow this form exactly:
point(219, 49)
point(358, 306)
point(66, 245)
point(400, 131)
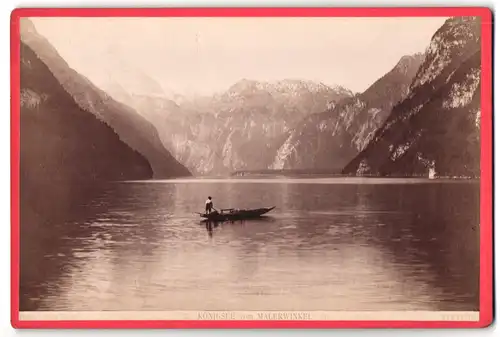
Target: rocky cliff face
point(329, 139)
point(436, 128)
point(132, 128)
point(237, 129)
point(64, 150)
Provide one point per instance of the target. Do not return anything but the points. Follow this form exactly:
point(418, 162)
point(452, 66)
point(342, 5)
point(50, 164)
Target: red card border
point(486, 216)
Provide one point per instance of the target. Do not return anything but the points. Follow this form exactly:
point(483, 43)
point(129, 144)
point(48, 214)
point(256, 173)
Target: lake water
point(330, 244)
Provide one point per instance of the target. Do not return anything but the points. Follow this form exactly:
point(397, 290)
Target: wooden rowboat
point(236, 214)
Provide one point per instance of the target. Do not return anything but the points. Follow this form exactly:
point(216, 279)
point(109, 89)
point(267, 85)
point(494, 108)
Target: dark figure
point(208, 205)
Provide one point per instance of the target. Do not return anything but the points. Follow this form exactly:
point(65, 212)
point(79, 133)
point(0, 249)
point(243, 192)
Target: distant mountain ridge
point(132, 128)
point(436, 128)
point(238, 128)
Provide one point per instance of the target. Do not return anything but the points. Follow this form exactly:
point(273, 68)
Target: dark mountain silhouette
point(329, 139)
point(437, 126)
point(132, 128)
point(65, 151)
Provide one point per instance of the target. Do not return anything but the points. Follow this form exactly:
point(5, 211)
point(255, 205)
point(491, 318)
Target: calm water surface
point(330, 244)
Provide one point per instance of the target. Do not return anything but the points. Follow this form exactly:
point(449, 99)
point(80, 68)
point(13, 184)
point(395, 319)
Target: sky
point(208, 55)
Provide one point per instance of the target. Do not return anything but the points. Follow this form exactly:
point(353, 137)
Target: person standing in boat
point(209, 205)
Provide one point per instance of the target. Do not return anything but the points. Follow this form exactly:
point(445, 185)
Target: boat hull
point(237, 215)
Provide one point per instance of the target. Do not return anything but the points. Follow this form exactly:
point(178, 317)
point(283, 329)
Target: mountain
point(64, 150)
point(130, 77)
point(238, 129)
point(331, 138)
point(437, 126)
point(132, 128)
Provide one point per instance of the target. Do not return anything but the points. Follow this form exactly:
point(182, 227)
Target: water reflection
point(210, 225)
point(324, 247)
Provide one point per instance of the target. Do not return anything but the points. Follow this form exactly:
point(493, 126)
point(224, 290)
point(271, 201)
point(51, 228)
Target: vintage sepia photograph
point(250, 168)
